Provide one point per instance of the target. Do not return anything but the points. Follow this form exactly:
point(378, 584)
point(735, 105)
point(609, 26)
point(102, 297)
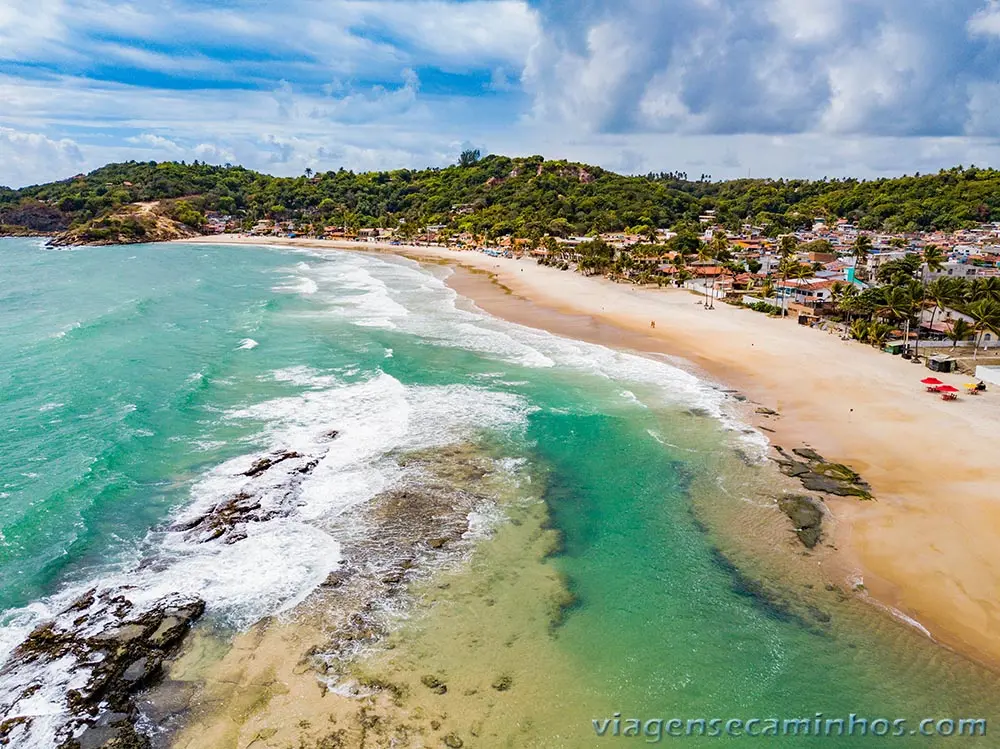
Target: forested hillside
point(497, 195)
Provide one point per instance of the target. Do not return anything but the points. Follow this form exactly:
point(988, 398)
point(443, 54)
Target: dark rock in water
point(806, 515)
point(803, 511)
point(308, 467)
point(452, 741)
point(336, 578)
point(795, 469)
point(332, 434)
point(701, 413)
point(818, 615)
point(119, 649)
point(434, 684)
point(502, 684)
point(767, 412)
point(265, 463)
point(437, 543)
point(818, 475)
point(142, 670)
point(809, 536)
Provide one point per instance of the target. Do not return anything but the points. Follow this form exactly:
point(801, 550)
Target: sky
point(727, 88)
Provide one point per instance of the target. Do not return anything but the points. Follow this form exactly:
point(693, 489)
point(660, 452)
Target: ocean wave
point(248, 344)
point(399, 294)
point(260, 532)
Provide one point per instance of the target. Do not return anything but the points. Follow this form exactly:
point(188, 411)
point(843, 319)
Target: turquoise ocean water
point(136, 381)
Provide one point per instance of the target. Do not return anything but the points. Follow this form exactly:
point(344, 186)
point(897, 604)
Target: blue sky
point(723, 87)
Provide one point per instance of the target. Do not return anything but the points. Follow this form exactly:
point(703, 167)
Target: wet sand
point(927, 545)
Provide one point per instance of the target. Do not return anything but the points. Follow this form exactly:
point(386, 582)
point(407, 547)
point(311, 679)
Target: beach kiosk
point(895, 347)
point(941, 363)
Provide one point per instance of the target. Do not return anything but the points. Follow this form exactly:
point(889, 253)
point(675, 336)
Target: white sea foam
point(50, 407)
point(283, 559)
point(298, 284)
point(400, 295)
point(280, 561)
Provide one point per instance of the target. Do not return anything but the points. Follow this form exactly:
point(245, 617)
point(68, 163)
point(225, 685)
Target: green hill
point(498, 195)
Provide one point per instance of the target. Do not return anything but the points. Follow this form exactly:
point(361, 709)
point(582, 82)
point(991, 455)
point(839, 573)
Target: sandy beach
point(926, 547)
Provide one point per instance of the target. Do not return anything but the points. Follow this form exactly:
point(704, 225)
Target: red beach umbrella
point(932, 381)
point(948, 389)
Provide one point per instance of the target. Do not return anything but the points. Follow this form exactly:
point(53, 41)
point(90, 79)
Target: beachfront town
point(919, 295)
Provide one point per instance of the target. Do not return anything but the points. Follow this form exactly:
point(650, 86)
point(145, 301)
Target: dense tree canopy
point(496, 195)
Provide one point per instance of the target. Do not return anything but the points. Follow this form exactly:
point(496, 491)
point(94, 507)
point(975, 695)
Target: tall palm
point(719, 245)
point(940, 294)
point(801, 271)
point(934, 258)
point(985, 314)
point(861, 249)
point(896, 305)
point(788, 246)
point(767, 288)
point(985, 289)
point(960, 330)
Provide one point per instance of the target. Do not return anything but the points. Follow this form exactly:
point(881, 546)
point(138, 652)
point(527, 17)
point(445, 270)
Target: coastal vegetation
point(497, 196)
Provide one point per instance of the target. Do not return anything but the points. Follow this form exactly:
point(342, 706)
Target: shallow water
point(140, 382)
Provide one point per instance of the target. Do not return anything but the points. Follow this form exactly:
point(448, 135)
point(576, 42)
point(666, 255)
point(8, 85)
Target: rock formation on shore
point(131, 224)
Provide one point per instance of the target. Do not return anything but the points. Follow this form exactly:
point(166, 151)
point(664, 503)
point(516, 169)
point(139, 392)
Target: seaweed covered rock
point(92, 660)
point(819, 475)
point(806, 515)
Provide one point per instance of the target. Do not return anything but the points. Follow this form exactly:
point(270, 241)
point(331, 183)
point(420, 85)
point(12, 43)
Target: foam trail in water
point(328, 448)
point(400, 295)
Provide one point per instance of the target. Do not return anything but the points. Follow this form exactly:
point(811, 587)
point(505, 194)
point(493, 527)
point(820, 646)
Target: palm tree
point(878, 332)
point(960, 330)
point(985, 315)
point(987, 289)
point(800, 271)
point(940, 294)
point(897, 304)
point(767, 288)
point(861, 249)
point(788, 246)
point(934, 258)
point(859, 329)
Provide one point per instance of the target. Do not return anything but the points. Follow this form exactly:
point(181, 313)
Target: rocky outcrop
point(254, 503)
point(806, 515)
point(131, 224)
point(107, 650)
point(819, 475)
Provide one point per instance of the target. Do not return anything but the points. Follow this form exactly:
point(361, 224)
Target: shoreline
point(851, 403)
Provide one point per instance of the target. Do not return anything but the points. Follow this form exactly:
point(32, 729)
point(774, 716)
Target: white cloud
point(859, 67)
point(719, 86)
point(31, 158)
point(987, 20)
